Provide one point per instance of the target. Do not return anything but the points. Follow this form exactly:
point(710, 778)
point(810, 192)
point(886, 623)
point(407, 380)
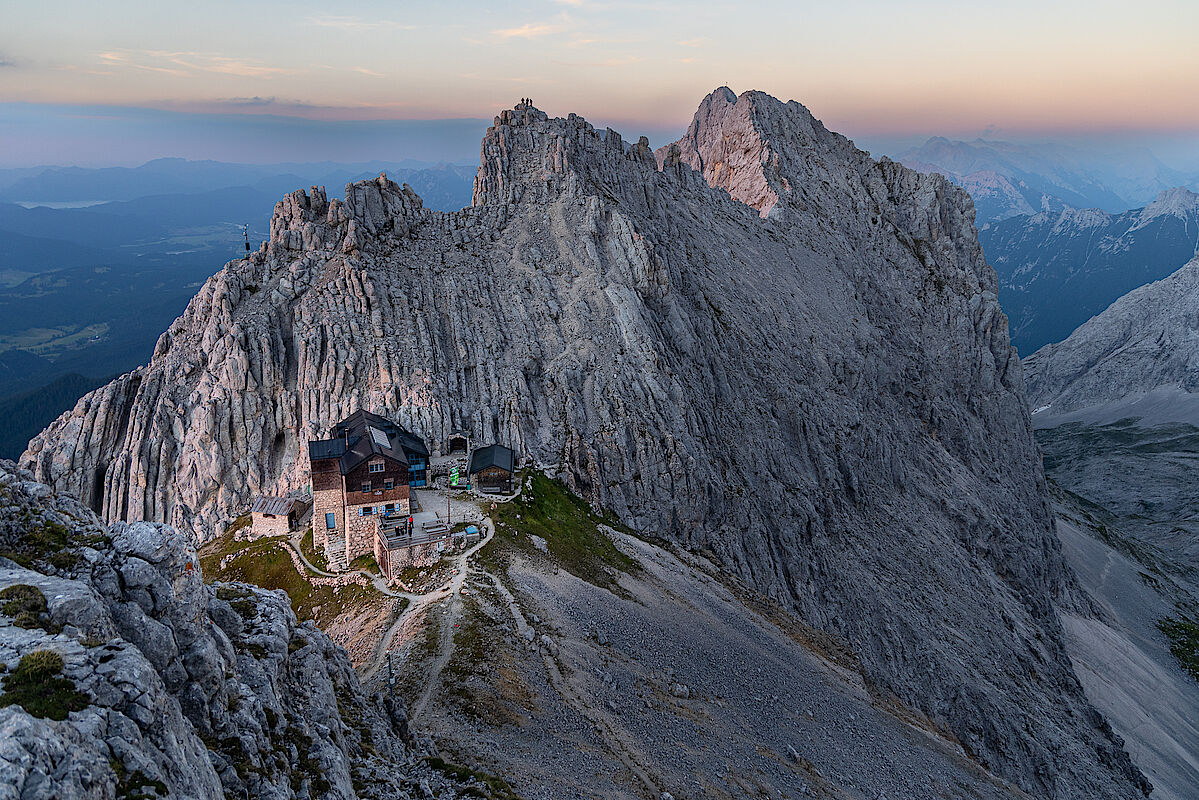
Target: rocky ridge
point(185, 689)
point(1138, 358)
point(825, 398)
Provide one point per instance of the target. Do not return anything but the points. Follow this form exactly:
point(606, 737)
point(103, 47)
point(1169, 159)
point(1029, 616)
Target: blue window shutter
point(330, 521)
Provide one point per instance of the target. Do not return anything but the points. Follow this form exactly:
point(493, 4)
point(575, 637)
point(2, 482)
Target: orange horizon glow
point(865, 67)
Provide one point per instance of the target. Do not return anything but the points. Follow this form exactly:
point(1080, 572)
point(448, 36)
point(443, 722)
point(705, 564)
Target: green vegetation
point(306, 765)
point(315, 558)
point(569, 526)
point(421, 578)
point(133, 786)
point(481, 674)
point(410, 679)
point(241, 600)
point(27, 414)
point(471, 645)
point(44, 540)
point(1183, 634)
point(244, 521)
point(37, 685)
point(27, 606)
point(367, 563)
point(495, 787)
point(267, 563)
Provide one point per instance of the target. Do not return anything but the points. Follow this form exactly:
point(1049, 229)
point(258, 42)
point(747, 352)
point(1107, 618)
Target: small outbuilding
point(491, 469)
point(275, 516)
point(457, 442)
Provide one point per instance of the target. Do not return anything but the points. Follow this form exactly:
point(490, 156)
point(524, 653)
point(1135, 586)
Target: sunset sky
point(866, 68)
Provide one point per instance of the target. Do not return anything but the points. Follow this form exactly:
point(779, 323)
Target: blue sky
point(189, 75)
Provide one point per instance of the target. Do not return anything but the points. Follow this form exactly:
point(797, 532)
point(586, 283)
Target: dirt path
point(417, 604)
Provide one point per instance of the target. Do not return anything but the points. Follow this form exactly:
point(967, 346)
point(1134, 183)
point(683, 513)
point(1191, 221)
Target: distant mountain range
point(1057, 269)
point(182, 176)
point(1007, 179)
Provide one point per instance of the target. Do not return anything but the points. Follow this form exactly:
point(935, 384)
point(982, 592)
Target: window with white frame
point(366, 486)
point(389, 483)
point(376, 466)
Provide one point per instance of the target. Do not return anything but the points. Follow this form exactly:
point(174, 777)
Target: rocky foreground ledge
point(122, 674)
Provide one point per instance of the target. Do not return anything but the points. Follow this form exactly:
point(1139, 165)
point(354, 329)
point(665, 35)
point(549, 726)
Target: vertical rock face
point(825, 398)
point(199, 691)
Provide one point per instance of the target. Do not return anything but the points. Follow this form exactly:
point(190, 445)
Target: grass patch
point(495, 787)
point(1184, 642)
point(570, 527)
point(422, 579)
point(244, 521)
point(134, 786)
point(366, 562)
point(410, 673)
point(44, 540)
point(37, 685)
point(308, 548)
point(241, 600)
point(267, 563)
point(481, 674)
point(27, 606)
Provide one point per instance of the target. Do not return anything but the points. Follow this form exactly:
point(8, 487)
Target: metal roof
point(493, 455)
point(412, 443)
point(362, 435)
point(278, 506)
point(326, 448)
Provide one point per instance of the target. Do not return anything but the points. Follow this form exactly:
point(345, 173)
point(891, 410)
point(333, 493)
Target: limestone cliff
point(161, 686)
point(825, 397)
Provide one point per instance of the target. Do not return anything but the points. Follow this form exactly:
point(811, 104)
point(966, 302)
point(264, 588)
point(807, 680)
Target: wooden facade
point(493, 479)
point(492, 468)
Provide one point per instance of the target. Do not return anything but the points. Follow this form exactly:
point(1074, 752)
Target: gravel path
point(418, 602)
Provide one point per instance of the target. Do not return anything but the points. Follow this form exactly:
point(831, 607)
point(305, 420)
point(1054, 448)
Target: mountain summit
point(826, 398)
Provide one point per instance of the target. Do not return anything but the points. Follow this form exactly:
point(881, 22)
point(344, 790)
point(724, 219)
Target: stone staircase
point(335, 551)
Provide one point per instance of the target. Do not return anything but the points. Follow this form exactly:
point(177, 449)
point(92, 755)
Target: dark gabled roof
point(493, 455)
point(278, 506)
point(326, 448)
point(362, 435)
point(365, 444)
point(411, 443)
point(359, 420)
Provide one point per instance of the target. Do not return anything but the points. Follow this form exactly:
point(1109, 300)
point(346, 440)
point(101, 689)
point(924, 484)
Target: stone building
point(361, 477)
point(397, 549)
point(457, 442)
point(275, 516)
